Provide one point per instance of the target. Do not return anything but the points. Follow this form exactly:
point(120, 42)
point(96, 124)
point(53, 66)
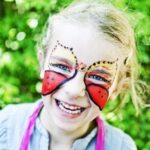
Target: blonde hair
point(113, 23)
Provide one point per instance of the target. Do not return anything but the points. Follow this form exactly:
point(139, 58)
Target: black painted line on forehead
point(69, 48)
point(102, 62)
point(66, 48)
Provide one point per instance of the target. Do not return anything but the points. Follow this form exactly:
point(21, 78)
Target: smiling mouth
point(71, 109)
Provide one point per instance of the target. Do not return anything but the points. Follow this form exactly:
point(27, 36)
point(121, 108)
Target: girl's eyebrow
point(103, 71)
point(63, 59)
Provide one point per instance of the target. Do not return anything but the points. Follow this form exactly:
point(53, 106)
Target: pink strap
point(28, 132)
point(100, 140)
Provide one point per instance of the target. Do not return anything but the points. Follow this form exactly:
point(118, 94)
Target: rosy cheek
point(98, 94)
point(52, 80)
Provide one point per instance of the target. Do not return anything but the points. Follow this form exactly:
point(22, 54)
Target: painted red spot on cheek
point(98, 94)
point(51, 81)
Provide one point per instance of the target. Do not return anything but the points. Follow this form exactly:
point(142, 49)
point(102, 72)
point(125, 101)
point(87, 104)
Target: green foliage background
point(21, 23)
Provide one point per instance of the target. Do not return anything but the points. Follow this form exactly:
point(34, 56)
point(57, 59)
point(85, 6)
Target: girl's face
point(79, 75)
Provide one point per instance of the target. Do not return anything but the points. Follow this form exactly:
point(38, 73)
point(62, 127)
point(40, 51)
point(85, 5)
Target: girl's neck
point(62, 137)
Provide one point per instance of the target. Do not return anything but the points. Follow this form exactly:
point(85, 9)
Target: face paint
point(61, 69)
point(98, 80)
point(63, 66)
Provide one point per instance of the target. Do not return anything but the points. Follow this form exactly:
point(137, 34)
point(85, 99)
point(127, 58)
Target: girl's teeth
point(69, 109)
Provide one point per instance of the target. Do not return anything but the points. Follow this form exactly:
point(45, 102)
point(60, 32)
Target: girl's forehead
point(87, 45)
point(83, 55)
point(65, 54)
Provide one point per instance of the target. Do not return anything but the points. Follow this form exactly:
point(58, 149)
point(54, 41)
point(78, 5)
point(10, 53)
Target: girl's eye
point(98, 78)
point(62, 67)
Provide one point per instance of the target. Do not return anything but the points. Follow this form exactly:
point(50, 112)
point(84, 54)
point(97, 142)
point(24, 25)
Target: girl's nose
point(75, 87)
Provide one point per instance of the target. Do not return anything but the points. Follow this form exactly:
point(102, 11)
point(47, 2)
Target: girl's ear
point(41, 62)
point(42, 74)
point(114, 88)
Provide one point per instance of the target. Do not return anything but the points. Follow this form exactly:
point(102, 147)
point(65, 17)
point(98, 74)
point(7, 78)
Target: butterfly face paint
point(63, 66)
point(98, 80)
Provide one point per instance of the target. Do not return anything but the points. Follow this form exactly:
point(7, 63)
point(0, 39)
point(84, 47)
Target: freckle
point(94, 64)
point(104, 62)
point(71, 49)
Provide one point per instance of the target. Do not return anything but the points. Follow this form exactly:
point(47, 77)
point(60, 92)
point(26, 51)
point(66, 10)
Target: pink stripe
point(28, 132)
point(100, 135)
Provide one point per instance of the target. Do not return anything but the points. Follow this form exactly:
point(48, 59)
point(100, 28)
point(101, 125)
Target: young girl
point(87, 57)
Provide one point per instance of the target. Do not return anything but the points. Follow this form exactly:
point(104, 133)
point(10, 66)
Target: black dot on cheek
point(52, 79)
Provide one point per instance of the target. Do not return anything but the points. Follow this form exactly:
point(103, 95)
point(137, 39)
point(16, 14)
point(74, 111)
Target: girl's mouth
point(70, 109)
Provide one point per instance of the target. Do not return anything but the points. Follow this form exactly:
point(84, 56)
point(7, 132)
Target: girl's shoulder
point(115, 137)
point(12, 121)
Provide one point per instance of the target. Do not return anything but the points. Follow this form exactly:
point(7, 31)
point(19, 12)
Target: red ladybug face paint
point(98, 94)
point(51, 81)
point(98, 80)
point(63, 66)
point(60, 69)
